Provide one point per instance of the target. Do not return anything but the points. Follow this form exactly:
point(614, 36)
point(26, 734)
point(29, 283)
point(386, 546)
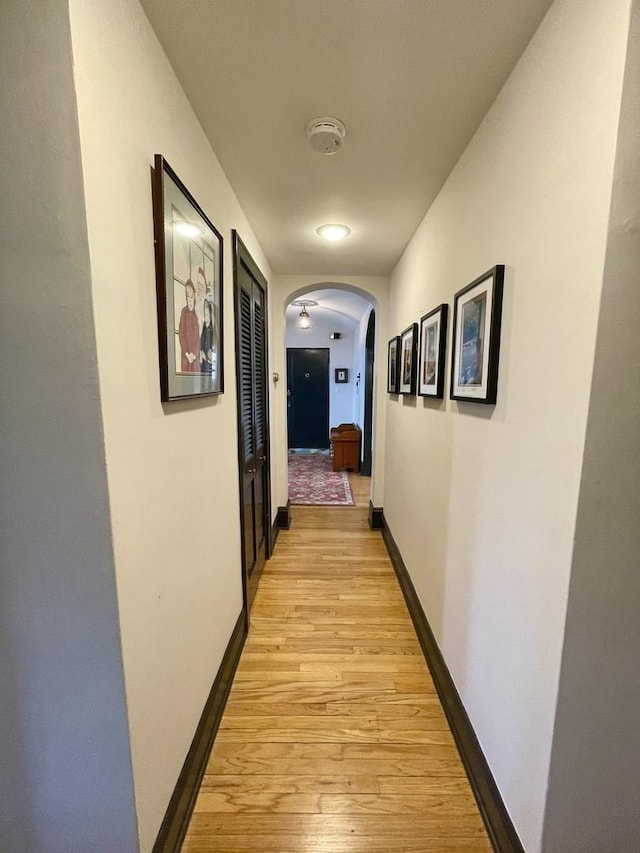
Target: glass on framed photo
point(476, 335)
point(408, 358)
point(393, 378)
point(471, 364)
point(433, 341)
point(189, 290)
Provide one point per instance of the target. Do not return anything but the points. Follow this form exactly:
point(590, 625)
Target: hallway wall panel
point(172, 469)
point(65, 762)
point(482, 499)
point(599, 695)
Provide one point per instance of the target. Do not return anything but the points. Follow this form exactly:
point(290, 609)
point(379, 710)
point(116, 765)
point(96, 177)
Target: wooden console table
point(345, 447)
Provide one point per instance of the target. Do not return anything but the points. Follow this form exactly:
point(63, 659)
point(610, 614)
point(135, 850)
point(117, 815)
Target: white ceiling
point(411, 79)
point(342, 306)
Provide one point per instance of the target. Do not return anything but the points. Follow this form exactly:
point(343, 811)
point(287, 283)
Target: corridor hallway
point(333, 739)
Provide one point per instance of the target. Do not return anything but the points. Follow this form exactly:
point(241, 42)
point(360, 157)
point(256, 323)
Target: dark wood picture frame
point(408, 360)
point(477, 319)
point(189, 290)
point(433, 352)
point(393, 374)
point(341, 375)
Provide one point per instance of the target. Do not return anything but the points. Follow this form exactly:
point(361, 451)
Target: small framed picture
point(433, 348)
point(188, 251)
point(477, 314)
point(393, 375)
point(408, 358)
point(342, 374)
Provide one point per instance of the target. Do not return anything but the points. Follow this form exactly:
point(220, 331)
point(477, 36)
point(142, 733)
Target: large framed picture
point(477, 313)
point(189, 290)
point(408, 358)
point(393, 374)
point(433, 348)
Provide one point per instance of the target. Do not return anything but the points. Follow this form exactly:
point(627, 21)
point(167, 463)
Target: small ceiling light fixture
point(305, 320)
point(326, 134)
point(187, 229)
point(333, 232)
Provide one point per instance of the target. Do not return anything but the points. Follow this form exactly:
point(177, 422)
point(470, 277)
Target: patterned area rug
point(313, 482)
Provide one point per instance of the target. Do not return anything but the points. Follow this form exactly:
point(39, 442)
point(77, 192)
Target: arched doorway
point(368, 395)
point(338, 324)
point(287, 289)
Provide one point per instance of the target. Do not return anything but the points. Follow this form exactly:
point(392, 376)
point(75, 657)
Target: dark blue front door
point(308, 397)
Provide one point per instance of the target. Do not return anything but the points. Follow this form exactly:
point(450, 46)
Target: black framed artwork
point(477, 316)
point(408, 359)
point(341, 375)
point(188, 250)
point(433, 348)
point(393, 374)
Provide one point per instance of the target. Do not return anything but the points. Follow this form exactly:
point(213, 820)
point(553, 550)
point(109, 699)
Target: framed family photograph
point(433, 348)
point(342, 374)
point(477, 313)
point(408, 358)
point(188, 251)
point(393, 375)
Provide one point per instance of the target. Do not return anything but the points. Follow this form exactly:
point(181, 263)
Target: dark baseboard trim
point(282, 521)
point(283, 518)
point(176, 820)
point(500, 828)
point(376, 517)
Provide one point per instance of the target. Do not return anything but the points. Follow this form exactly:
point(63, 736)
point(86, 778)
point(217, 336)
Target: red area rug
point(313, 482)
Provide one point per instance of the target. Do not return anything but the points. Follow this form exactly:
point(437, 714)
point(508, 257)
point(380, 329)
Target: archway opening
point(326, 385)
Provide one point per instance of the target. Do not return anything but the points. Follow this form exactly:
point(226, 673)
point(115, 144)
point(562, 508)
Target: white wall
point(284, 288)
point(482, 500)
point(172, 469)
point(65, 777)
point(341, 354)
point(592, 804)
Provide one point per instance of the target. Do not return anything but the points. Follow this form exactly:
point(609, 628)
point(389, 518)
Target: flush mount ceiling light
point(333, 232)
point(326, 134)
point(187, 229)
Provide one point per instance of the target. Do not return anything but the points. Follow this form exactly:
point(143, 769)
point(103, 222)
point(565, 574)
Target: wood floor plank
point(333, 739)
point(321, 691)
point(426, 708)
point(440, 805)
point(444, 763)
point(293, 783)
point(338, 825)
point(345, 752)
point(273, 723)
point(254, 843)
point(257, 802)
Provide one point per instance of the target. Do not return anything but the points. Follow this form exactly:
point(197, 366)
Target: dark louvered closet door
point(253, 426)
point(259, 408)
point(247, 430)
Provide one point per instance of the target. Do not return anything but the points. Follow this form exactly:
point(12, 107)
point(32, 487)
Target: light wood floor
point(333, 739)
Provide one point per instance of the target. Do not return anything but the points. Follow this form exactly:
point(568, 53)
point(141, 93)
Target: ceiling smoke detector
point(326, 134)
